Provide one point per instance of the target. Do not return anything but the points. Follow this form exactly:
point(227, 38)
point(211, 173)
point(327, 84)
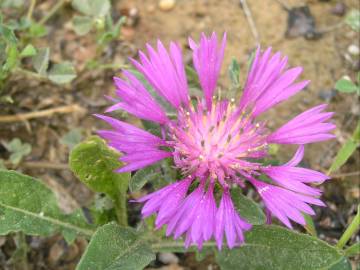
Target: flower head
point(216, 142)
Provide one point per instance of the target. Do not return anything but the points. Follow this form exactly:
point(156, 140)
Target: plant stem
point(353, 227)
point(120, 209)
point(177, 245)
point(52, 11)
point(20, 255)
point(353, 250)
point(31, 9)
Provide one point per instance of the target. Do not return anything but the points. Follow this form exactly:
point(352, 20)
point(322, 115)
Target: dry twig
point(39, 165)
point(250, 20)
point(44, 113)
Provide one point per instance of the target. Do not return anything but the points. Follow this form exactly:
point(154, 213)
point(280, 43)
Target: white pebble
point(168, 258)
point(166, 5)
point(354, 49)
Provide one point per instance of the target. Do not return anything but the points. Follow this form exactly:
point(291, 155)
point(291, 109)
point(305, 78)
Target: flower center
point(217, 142)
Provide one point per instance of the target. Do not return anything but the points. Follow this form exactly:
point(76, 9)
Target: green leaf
point(192, 77)
point(72, 138)
point(353, 19)
point(346, 86)
point(94, 164)
point(17, 149)
point(82, 24)
point(62, 73)
point(96, 8)
point(116, 248)
point(353, 250)
point(41, 61)
point(247, 208)
point(8, 34)
point(310, 226)
point(12, 55)
point(28, 205)
point(271, 247)
point(342, 264)
point(141, 177)
point(37, 30)
point(346, 150)
point(29, 50)
point(164, 104)
point(234, 73)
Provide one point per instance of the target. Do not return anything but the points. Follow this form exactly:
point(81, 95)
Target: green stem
point(20, 255)
point(353, 250)
point(55, 8)
point(120, 209)
point(353, 227)
point(31, 9)
point(177, 246)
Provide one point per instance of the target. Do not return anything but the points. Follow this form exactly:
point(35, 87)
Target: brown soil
point(324, 60)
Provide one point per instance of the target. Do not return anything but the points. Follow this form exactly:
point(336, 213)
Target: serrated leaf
point(41, 61)
point(116, 248)
point(353, 19)
point(346, 150)
point(96, 8)
point(141, 177)
point(234, 73)
point(93, 162)
point(247, 208)
point(346, 86)
point(164, 104)
point(271, 247)
point(29, 50)
point(29, 206)
point(82, 24)
point(62, 73)
point(192, 77)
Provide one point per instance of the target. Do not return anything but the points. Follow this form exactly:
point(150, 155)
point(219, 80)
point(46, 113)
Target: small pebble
point(354, 49)
point(56, 252)
point(166, 5)
point(168, 258)
point(339, 9)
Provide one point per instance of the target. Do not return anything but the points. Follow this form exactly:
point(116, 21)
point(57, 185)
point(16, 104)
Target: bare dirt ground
point(324, 57)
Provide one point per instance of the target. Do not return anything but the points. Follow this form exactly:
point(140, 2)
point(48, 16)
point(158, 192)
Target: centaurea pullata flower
point(216, 144)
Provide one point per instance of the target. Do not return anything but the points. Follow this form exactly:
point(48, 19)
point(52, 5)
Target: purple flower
point(216, 143)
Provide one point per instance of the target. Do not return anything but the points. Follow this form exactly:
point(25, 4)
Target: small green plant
point(17, 150)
